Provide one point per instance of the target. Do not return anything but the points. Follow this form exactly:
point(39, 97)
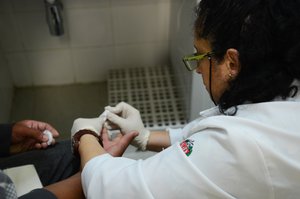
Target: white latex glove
point(128, 119)
point(92, 124)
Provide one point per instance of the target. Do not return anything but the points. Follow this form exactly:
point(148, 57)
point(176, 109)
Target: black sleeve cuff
point(5, 139)
point(38, 194)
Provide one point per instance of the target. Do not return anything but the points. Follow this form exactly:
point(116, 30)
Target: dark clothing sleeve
point(38, 194)
point(5, 139)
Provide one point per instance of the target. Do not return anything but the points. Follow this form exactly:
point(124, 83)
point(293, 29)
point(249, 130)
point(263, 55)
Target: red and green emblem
point(187, 146)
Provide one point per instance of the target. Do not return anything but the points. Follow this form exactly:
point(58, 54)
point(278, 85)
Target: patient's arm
point(68, 188)
point(90, 147)
point(158, 140)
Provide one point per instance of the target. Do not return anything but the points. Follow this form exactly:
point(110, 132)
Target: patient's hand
point(28, 134)
point(119, 144)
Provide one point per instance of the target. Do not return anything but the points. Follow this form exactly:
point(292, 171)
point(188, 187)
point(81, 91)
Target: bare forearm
point(89, 148)
point(69, 188)
point(158, 140)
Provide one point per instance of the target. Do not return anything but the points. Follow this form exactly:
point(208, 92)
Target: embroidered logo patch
point(187, 146)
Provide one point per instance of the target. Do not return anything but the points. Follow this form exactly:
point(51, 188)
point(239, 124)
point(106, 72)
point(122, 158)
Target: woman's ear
point(232, 61)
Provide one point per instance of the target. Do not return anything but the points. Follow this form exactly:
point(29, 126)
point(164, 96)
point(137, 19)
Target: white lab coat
point(252, 155)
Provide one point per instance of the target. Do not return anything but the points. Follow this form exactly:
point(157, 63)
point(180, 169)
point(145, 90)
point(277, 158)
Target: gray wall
point(6, 91)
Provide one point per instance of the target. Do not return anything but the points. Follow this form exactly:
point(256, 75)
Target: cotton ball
point(49, 135)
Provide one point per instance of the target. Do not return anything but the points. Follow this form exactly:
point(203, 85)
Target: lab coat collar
point(214, 111)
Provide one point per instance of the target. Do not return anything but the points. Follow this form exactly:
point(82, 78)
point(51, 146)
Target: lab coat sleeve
point(168, 174)
point(180, 134)
point(109, 177)
point(175, 135)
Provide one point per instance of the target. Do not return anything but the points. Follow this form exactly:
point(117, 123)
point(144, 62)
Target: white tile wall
point(35, 34)
point(5, 6)
point(19, 68)
point(141, 55)
point(92, 64)
point(90, 27)
point(99, 34)
point(10, 40)
point(86, 3)
point(51, 67)
point(140, 23)
point(132, 2)
point(28, 5)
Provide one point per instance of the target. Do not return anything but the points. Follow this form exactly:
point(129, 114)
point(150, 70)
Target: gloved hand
point(92, 124)
point(83, 126)
point(128, 119)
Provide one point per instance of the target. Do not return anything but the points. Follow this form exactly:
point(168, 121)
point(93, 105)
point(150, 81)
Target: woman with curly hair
point(247, 146)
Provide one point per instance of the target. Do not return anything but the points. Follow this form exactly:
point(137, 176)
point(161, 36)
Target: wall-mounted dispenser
point(54, 17)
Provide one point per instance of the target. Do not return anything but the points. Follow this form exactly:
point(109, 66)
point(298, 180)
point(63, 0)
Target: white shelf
point(152, 91)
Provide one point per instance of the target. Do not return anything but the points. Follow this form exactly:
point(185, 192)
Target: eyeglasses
point(191, 61)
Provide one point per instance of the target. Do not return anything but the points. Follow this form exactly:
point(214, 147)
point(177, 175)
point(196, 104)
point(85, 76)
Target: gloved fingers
point(121, 108)
point(93, 124)
point(115, 119)
point(127, 108)
point(116, 110)
point(102, 117)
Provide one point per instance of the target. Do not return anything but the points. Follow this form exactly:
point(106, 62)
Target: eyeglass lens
point(193, 64)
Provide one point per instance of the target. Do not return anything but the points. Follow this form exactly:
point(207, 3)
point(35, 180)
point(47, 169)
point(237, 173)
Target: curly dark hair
point(266, 34)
